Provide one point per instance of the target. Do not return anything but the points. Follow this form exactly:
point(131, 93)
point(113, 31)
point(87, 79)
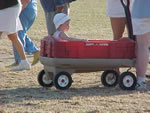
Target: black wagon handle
point(126, 6)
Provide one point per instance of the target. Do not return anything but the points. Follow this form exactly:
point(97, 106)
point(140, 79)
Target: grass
point(21, 93)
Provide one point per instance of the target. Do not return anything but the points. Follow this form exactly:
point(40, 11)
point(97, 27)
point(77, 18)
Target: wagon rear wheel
point(44, 80)
point(109, 78)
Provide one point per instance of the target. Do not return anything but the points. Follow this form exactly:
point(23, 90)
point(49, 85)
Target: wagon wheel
point(109, 78)
point(127, 81)
point(62, 80)
point(44, 80)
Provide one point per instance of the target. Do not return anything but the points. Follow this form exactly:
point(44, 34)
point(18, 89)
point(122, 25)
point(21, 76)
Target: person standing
point(116, 13)
point(9, 25)
point(141, 28)
point(117, 16)
point(51, 7)
point(27, 17)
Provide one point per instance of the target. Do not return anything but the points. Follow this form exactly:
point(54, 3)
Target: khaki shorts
point(141, 26)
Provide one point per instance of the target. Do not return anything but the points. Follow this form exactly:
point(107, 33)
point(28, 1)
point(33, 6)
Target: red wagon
point(61, 59)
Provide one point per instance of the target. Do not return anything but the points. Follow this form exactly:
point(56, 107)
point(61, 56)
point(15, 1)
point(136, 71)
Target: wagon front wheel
point(62, 80)
point(127, 81)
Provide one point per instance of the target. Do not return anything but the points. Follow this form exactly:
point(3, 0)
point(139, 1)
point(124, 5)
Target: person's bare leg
point(18, 45)
point(118, 27)
point(142, 53)
point(23, 65)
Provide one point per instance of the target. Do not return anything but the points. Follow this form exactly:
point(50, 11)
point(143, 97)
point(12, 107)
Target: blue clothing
point(141, 9)
point(27, 18)
point(34, 1)
point(69, 1)
point(50, 5)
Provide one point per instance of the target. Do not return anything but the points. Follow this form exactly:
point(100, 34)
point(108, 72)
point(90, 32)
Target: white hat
point(59, 19)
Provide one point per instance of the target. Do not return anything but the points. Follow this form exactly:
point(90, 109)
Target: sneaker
point(36, 58)
point(147, 76)
point(24, 65)
point(141, 86)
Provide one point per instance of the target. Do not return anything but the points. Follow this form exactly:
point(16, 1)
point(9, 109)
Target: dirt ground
point(21, 93)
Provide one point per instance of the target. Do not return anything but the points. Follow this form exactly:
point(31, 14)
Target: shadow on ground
point(26, 93)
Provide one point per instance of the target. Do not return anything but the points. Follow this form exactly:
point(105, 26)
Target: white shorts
point(114, 8)
point(141, 26)
point(9, 20)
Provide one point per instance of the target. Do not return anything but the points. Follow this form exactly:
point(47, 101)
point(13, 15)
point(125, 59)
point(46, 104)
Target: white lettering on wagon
point(97, 44)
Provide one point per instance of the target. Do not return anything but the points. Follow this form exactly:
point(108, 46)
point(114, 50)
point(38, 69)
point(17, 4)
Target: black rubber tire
point(41, 81)
point(66, 84)
point(131, 81)
point(105, 76)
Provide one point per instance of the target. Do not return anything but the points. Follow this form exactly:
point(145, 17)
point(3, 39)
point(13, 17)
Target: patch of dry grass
point(21, 93)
